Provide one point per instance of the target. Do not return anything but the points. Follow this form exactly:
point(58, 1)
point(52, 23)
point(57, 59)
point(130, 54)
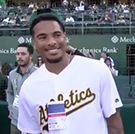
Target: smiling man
point(89, 94)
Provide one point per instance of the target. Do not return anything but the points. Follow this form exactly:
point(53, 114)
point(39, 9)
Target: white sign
point(99, 50)
point(25, 40)
point(7, 51)
point(114, 39)
point(125, 39)
point(29, 40)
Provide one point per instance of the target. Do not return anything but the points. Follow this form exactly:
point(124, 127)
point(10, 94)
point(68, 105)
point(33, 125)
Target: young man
point(24, 55)
point(91, 99)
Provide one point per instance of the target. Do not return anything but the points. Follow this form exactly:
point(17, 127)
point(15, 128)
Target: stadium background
point(86, 34)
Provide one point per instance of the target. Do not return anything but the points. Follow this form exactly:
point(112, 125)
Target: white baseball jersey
point(87, 88)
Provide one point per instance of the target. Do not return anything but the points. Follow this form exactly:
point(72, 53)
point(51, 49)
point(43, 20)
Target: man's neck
point(23, 69)
point(58, 67)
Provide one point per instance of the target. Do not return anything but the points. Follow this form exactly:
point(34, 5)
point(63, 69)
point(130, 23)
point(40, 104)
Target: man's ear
point(31, 56)
point(34, 43)
point(65, 35)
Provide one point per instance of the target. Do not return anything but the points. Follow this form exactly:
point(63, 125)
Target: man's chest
point(76, 96)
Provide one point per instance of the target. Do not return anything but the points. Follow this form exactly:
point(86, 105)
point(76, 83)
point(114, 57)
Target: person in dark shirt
point(6, 68)
point(3, 87)
point(73, 51)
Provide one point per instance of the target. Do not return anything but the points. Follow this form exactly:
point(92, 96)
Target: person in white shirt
point(31, 5)
point(6, 20)
point(126, 10)
point(65, 3)
point(90, 95)
point(82, 6)
point(124, 6)
point(69, 19)
point(81, 2)
point(105, 55)
point(109, 65)
point(77, 8)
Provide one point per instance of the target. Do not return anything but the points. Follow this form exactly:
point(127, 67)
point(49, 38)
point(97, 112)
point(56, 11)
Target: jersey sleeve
point(110, 99)
point(26, 121)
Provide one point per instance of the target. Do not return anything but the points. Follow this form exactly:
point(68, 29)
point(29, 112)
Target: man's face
point(108, 63)
point(49, 41)
point(22, 56)
point(103, 55)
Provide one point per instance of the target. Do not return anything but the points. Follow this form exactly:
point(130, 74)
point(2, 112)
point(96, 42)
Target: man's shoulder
point(35, 68)
point(34, 77)
point(32, 82)
point(85, 61)
point(88, 64)
point(13, 72)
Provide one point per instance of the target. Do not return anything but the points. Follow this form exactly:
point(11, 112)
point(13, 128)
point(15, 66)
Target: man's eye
point(57, 35)
point(41, 38)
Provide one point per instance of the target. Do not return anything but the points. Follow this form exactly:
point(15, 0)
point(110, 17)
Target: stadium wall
point(115, 45)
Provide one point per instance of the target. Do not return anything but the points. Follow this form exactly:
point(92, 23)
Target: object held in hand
point(56, 116)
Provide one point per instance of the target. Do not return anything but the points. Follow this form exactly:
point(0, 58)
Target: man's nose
point(19, 56)
point(51, 41)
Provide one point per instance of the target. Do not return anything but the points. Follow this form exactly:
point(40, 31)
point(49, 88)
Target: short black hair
point(45, 17)
point(105, 53)
point(28, 46)
point(91, 54)
point(107, 59)
point(6, 68)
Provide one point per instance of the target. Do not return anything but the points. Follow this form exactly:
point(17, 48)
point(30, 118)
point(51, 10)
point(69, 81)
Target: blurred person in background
point(109, 65)
point(107, 17)
point(0, 67)
point(74, 51)
point(69, 18)
point(65, 4)
point(105, 55)
point(3, 87)
point(5, 69)
point(91, 55)
point(39, 61)
point(24, 55)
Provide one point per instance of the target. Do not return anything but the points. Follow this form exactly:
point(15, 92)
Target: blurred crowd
point(19, 15)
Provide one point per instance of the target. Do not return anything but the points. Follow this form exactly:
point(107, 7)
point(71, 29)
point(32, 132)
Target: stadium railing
point(85, 23)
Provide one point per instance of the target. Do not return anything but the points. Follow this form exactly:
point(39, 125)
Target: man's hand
point(10, 116)
point(114, 123)
point(70, 49)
